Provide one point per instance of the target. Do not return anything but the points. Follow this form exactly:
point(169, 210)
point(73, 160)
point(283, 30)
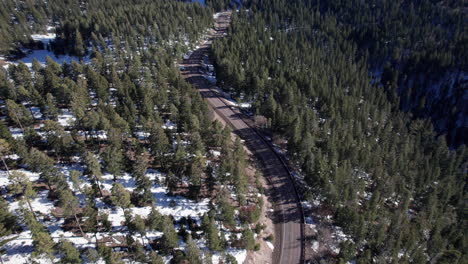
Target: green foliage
point(192, 251)
point(220, 5)
point(140, 226)
point(92, 255)
point(120, 197)
point(385, 174)
point(155, 219)
point(18, 114)
point(270, 238)
point(170, 239)
point(8, 221)
point(212, 235)
point(143, 183)
point(127, 91)
point(159, 142)
point(230, 259)
point(43, 243)
point(93, 166)
point(248, 239)
point(113, 160)
point(154, 258)
point(69, 253)
point(75, 178)
point(227, 210)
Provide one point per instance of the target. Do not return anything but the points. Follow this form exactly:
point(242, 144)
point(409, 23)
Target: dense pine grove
point(132, 114)
point(133, 22)
point(386, 175)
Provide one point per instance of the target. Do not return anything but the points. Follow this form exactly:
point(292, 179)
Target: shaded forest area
point(333, 79)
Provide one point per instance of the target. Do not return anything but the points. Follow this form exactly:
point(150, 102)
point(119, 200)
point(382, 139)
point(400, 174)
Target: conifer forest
point(243, 131)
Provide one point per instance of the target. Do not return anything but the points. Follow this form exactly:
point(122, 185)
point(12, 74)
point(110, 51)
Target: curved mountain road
point(288, 216)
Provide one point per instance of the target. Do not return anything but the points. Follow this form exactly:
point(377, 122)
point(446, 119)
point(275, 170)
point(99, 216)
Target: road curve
point(288, 217)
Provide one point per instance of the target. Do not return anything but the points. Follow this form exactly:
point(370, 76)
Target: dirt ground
point(265, 253)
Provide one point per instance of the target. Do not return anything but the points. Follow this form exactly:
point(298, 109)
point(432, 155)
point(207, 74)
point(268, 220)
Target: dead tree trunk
point(30, 208)
point(6, 166)
point(79, 226)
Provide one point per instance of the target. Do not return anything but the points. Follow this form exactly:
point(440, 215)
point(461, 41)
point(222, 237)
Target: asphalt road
point(287, 212)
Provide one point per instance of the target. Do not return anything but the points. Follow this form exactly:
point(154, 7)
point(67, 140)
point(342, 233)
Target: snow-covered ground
point(270, 245)
point(41, 55)
point(66, 118)
point(181, 206)
point(32, 176)
point(16, 132)
point(19, 250)
point(169, 125)
point(239, 254)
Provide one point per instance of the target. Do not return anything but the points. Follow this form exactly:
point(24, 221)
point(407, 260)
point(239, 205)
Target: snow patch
point(67, 118)
point(270, 245)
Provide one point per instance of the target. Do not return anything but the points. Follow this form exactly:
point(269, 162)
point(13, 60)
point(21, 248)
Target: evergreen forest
point(114, 157)
point(369, 99)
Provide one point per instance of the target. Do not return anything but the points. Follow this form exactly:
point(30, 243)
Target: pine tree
point(94, 169)
point(216, 134)
point(155, 219)
point(230, 259)
point(240, 182)
point(50, 111)
point(140, 227)
point(5, 133)
point(169, 239)
point(227, 210)
point(141, 165)
point(90, 212)
point(113, 160)
point(143, 190)
point(75, 179)
point(120, 197)
point(69, 253)
point(20, 184)
point(79, 46)
point(180, 157)
point(159, 142)
point(211, 231)
point(195, 176)
point(18, 114)
point(248, 239)
point(59, 140)
point(4, 151)
point(43, 244)
point(208, 258)
point(154, 258)
point(92, 256)
point(192, 251)
point(70, 205)
point(8, 221)
point(143, 183)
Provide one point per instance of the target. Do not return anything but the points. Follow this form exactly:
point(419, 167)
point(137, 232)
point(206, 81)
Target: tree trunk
point(98, 183)
point(142, 240)
point(149, 243)
point(32, 113)
point(6, 167)
point(79, 226)
point(19, 122)
point(97, 243)
point(30, 208)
